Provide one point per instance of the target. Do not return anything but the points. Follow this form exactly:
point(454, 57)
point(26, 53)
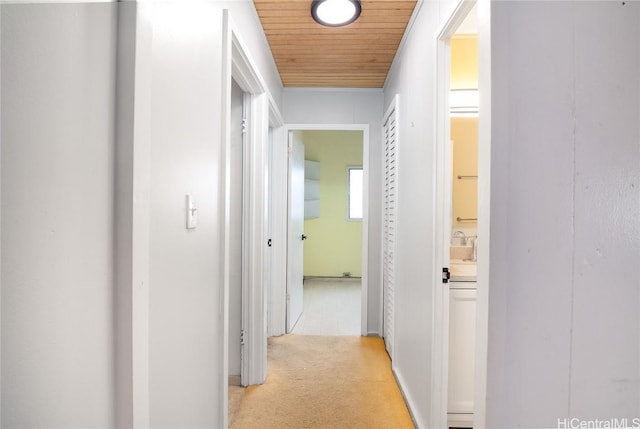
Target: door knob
point(304, 237)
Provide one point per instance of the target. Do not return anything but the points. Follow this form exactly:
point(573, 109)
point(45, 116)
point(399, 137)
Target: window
point(356, 188)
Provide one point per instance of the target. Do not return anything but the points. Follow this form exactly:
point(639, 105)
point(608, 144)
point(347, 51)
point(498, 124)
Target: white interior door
point(236, 238)
point(389, 224)
point(296, 230)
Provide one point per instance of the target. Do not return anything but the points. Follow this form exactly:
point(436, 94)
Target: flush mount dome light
point(335, 13)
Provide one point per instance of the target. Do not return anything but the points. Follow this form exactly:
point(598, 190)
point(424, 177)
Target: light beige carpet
point(325, 382)
point(236, 394)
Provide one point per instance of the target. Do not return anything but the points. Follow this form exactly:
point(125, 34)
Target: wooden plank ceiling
point(355, 56)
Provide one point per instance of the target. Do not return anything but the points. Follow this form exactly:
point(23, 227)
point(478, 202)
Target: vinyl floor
point(330, 307)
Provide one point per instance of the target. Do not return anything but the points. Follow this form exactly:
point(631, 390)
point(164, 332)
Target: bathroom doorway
point(463, 132)
point(460, 336)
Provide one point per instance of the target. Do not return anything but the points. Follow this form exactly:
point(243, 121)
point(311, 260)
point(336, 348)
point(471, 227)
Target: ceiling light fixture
point(335, 13)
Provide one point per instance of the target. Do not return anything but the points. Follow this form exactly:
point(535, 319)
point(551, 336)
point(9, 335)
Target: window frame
point(349, 169)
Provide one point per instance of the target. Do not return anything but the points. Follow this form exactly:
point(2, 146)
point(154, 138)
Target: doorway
point(260, 121)
point(463, 148)
point(326, 217)
point(236, 240)
point(463, 132)
point(294, 287)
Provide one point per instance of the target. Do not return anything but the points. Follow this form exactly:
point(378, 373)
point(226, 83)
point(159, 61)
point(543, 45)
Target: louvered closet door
point(389, 227)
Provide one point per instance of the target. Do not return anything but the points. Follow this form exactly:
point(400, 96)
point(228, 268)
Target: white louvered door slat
point(389, 227)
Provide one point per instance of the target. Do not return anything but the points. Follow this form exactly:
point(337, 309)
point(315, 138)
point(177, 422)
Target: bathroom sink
point(462, 261)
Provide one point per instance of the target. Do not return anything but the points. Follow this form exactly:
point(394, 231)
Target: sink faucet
point(461, 236)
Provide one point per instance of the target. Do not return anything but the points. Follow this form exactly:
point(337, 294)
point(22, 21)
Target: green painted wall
point(334, 244)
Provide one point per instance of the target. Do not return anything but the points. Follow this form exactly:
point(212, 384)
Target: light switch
point(192, 213)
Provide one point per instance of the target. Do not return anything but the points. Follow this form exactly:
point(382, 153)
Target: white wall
point(58, 103)
point(60, 196)
point(185, 265)
point(565, 196)
point(351, 106)
point(564, 326)
point(413, 78)
point(186, 281)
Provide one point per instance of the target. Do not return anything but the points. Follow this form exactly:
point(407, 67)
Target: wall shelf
point(311, 189)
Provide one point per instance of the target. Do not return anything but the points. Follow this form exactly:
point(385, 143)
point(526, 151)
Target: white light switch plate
point(192, 213)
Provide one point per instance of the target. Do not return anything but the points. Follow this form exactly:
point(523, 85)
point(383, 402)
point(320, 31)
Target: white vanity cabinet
point(462, 342)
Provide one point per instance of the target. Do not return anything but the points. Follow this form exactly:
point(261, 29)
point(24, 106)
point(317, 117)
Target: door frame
point(238, 65)
point(440, 363)
point(279, 291)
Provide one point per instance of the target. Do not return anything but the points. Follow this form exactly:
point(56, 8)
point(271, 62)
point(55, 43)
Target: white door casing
point(390, 201)
point(296, 231)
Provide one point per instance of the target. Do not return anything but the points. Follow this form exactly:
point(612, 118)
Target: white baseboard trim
point(333, 279)
point(411, 405)
point(460, 420)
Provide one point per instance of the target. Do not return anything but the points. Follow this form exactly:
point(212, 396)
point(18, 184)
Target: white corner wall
point(351, 106)
point(63, 365)
point(564, 326)
point(57, 125)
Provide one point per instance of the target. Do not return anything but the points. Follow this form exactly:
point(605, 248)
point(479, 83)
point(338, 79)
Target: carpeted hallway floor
point(325, 382)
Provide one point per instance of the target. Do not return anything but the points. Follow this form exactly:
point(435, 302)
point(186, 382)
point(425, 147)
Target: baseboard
point(333, 279)
point(460, 420)
point(411, 405)
point(234, 380)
